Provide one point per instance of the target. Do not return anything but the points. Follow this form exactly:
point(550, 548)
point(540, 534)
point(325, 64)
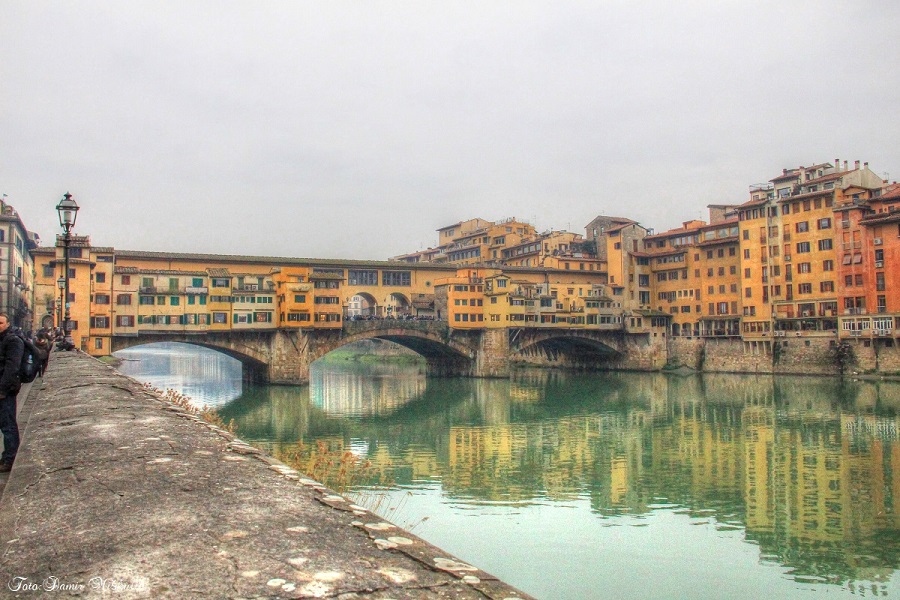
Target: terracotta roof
point(218, 272)
point(826, 178)
point(621, 227)
point(750, 203)
point(720, 224)
point(714, 241)
point(890, 192)
point(450, 226)
point(133, 270)
point(806, 196)
point(270, 260)
point(623, 220)
point(881, 218)
point(791, 174)
point(675, 232)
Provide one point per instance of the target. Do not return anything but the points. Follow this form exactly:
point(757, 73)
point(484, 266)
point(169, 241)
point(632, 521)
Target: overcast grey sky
point(354, 130)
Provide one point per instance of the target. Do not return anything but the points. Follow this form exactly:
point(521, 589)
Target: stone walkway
point(117, 493)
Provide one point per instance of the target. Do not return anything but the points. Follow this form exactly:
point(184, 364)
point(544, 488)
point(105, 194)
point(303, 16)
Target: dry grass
point(338, 469)
point(207, 413)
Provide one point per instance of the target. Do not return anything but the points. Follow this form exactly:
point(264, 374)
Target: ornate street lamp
point(68, 212)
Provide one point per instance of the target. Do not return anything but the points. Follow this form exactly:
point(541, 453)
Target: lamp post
point(68, 212)
point(61, 284)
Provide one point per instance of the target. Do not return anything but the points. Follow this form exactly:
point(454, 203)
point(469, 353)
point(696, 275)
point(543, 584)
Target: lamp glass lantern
point(68, 212)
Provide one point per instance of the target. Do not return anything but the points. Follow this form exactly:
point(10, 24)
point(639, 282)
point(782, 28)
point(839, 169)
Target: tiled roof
point(806, 196)
point(219, 272)
point(890, 192)
point(457, 224)
point(827, 178)
point(675, 232)
point(881, 218)
point(791, 174)
point(270, 260)
point(621, 227)
point(133, 270)
point(714, 241)
point(751, 203)
point(729, 221)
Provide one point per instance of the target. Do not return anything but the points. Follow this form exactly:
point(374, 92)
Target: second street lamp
point(68, 212)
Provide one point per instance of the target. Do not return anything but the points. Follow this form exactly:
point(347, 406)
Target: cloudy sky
point(354, 130)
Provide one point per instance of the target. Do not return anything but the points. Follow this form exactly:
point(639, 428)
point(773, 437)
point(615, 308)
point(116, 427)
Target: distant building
point(17, 268)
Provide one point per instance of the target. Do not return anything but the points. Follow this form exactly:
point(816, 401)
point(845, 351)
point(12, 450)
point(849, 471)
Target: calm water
point(602, 486)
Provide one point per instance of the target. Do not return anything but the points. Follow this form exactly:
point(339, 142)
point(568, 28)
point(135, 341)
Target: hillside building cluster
point(812, 253)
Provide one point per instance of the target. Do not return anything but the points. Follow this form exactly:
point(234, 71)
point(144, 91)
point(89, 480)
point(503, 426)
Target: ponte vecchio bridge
point(278, 315)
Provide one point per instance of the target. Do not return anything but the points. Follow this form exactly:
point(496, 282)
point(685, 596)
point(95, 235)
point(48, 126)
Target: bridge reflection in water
point(748, 485)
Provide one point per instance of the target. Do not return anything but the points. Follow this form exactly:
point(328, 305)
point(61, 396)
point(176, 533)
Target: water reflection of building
point(206, 376)
point(343, 393)
point(810, 478)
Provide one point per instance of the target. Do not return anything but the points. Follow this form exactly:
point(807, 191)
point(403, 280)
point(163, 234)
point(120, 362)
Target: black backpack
point(32, 358)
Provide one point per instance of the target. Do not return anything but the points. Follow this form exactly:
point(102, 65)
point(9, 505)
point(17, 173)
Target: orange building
point(879, 229)
point(694, 274)
point(791, 263)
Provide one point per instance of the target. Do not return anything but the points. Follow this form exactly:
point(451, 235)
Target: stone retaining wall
point(797, 355)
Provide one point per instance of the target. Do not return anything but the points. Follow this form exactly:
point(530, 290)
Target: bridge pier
point(492, 359)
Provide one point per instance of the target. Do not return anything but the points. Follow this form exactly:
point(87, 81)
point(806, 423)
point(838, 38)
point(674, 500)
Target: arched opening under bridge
point(253, 367)
point(442, 357)
point(567, 351)
point(207, 376)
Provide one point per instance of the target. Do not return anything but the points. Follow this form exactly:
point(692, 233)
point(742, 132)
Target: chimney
point(857, 164)
point(846, 166)
point(865, 165)
point(784, 171)
point(837, 164)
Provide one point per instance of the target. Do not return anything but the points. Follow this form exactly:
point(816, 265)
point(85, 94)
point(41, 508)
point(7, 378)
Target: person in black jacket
point(11, 349)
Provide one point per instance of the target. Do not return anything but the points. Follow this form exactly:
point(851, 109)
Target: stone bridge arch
point(568, 349)
point(251, 350)
point(445, 354)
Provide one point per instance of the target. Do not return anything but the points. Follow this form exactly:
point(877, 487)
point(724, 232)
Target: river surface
point(579, 486)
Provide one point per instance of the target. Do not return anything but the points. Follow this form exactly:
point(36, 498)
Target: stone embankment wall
point(791, 355)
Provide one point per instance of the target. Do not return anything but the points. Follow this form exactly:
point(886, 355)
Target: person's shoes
point(5, 467)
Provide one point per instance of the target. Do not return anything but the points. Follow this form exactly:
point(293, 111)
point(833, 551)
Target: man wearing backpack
point(11, 349)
